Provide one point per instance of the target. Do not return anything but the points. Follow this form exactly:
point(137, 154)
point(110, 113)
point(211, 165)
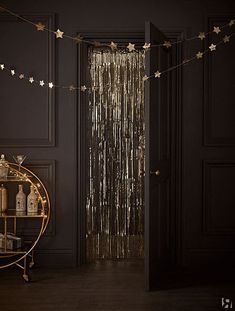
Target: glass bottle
point(3, 199)
point(4, 167)
point(32, 202)
point(21, 200)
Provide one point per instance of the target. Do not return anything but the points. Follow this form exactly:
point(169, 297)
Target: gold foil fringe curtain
point(115, 135)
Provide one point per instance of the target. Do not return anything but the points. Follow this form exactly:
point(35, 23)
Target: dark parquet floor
point(110, 286)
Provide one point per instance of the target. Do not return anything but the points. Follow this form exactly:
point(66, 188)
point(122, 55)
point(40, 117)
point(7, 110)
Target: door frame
point(125, 36)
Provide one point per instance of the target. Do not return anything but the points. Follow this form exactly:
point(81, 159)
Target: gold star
point(94, 88)
point(145, 78)
point(50, 84)
point(71, 88)
point(231, 22)
point(2, 66)
point(31, 79)
point(146, 46)
point(157, 74)
point(226, 39)
point(40, 26)
point(113, 46)
point(78, 39)
point(167, 44)
point(131, 47)
point(216, 30)
point(21, 76)
point(58, 33)
point(212, 47)
point(201, 35)
point(83, 88)
point(41, 82)
point(199, 55)
point(13, 72)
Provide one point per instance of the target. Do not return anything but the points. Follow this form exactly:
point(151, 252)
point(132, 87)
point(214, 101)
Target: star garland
point(199, 55)
point(114, 46)
point(83, 88)
point(42, 83)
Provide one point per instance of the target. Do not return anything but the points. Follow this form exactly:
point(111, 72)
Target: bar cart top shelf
point(25, 178)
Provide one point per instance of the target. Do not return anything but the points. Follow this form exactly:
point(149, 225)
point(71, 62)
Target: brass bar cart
point(12, 222)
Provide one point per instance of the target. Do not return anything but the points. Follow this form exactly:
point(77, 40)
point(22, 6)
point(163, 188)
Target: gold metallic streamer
point(115, 135)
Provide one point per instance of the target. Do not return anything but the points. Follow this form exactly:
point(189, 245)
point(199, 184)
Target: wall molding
point(49, 21)
point(207, 230)
point(208, 139)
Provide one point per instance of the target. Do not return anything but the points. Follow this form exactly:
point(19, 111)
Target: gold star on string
point(2, 66)
point(41, 82)
point(157, 74)
point(146, 46)
point(216, 30)
point(131, 47)
point(199, 55)
point(50, 84)
point(231, 23)
point(94, 88)
point(71, 88)
point(31, 79)
point(21, 76)
point(226, 39)
point(113, 46)
point(13, 72)
point(59, 34)
point(40, 26)
point(201, 35)
point(145, 78)
point(167, 44)
point(83, 88)
point(78, 39)
point(212, 47)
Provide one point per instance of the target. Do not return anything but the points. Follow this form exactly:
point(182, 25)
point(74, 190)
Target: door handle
point(157, 173)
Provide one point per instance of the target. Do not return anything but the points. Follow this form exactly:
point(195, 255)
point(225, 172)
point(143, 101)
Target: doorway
point(166, 127)
point(115, 153)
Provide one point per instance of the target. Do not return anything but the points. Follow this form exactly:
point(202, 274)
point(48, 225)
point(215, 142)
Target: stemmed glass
point(19, 159)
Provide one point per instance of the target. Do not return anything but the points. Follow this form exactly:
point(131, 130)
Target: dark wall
point(43, 124)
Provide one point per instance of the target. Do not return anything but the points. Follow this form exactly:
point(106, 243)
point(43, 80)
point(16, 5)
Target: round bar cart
point(16, 224)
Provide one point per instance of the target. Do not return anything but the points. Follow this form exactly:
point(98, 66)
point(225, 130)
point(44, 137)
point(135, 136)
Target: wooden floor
point(109, 286)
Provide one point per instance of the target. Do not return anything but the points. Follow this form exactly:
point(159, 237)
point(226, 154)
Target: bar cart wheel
point(26, 277)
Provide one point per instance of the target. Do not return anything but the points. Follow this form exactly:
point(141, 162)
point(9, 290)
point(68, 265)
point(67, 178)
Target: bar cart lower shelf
point(15, 247)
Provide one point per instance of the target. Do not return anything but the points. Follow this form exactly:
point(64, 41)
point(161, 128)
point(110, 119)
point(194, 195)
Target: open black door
point(157, 166)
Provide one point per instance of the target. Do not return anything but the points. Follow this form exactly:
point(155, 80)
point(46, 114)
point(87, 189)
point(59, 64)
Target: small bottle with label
point(32, 202)
point(21, 200)
point(4, 167)
point(3, 199)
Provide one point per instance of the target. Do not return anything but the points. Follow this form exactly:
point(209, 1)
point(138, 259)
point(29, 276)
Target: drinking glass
point(19, 159)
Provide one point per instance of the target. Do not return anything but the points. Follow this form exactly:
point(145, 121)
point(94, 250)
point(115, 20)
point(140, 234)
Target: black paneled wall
point(43, 124)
